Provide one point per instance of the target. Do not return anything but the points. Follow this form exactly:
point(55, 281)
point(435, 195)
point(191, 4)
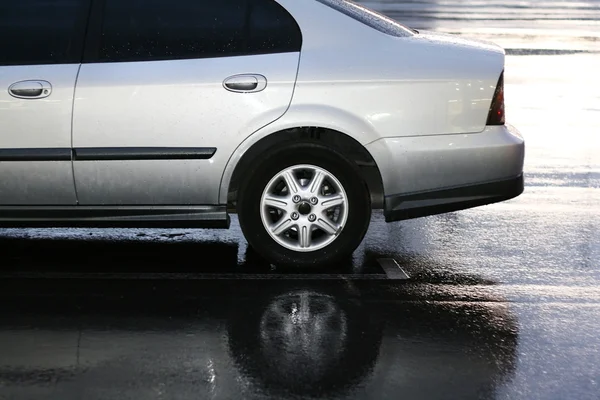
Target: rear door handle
point(245, 83)
point(30, 89)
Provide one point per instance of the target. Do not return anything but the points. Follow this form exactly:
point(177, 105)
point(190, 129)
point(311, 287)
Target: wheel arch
point(341, 142)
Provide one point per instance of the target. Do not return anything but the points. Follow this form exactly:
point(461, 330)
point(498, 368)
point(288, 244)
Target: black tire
point(358, 198)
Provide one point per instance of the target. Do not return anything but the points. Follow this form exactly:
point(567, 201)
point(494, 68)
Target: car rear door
point(41, 48)
point(169, 89)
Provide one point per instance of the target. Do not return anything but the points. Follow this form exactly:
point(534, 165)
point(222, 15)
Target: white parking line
point(392, 269)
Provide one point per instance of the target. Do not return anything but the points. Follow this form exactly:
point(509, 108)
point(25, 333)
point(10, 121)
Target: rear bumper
point(425, 175)
point(401, 207)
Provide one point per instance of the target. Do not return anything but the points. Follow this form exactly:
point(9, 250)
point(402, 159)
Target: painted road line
point(392, 269)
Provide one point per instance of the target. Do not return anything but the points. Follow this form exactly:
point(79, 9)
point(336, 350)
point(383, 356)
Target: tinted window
point(143, 30)
point(40, 31)
point(272, 28)
point(369, 17)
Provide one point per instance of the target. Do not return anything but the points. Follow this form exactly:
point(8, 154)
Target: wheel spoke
point(304, 236)
point(327, 226)
point(280, 203)
point(281, 226)
point(291, 182)
point(328, 202)
point(317, 182)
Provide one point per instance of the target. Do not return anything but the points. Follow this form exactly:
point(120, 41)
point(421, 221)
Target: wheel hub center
point(304, 208)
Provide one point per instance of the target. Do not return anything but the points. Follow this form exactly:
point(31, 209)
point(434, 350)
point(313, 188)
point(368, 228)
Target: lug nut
point(296, 199)
point(295, 216)
point(314, 201)
point(312, 217)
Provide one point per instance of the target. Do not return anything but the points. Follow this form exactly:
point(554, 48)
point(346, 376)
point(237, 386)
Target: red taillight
point(496, 115)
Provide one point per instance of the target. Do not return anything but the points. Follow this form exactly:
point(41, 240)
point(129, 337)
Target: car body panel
point(424, 163)
point(36, 183)
point(31, 126)
point(426, 84)
point(370, 85)
point(312, 115)
point(171, 104)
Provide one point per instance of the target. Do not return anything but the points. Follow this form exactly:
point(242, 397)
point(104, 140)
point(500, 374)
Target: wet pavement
point(502, 302)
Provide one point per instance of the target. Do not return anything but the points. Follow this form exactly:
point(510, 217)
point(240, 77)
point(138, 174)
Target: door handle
point(30, 89)
point(245, 83)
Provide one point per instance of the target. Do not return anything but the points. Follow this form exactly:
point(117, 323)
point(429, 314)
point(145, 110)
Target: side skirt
point(114, 216)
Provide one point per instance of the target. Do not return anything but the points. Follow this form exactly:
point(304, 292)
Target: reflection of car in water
point(321, 340)
point(305, 341)
point(246, 339)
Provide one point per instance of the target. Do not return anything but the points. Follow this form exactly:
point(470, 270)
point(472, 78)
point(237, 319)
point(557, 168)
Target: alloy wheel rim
point(304, 208)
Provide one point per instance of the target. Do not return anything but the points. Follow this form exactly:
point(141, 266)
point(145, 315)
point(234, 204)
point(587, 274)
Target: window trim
point(410, 31)
point(93, 40)
point(75, 52)
point(93, 35)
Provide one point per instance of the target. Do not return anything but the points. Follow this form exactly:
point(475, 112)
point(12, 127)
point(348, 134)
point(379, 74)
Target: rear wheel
point(304, 205)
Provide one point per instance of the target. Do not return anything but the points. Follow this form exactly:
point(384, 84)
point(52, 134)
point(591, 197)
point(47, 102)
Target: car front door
point(41, 48)
point(171, 90)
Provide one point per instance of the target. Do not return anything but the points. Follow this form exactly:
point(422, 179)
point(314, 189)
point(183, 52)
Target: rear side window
point(41, 31)
point(148, 30)
point(369, 17)
point(271, 28)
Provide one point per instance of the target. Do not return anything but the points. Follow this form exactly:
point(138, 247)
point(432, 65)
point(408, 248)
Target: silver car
point(300, 115)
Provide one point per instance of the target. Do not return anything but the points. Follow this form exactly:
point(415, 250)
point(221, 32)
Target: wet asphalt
point(498, 302)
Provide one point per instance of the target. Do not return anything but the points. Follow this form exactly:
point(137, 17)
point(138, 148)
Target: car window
point(272, 29)
point(40, 31)
point(369, 17)
point(146, 30)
